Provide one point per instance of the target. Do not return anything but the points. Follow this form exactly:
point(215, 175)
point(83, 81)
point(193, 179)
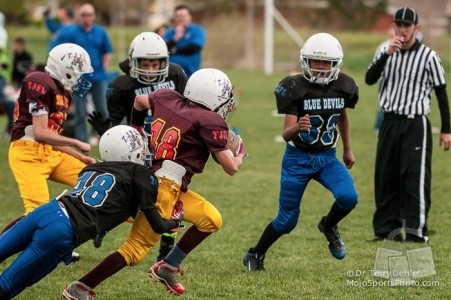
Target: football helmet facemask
point(148, 45)
point(122, 143)
point(212, 89)
point(321, 46)
point(70, 64)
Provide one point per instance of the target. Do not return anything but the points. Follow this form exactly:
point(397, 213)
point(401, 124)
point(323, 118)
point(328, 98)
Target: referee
point(408, 72)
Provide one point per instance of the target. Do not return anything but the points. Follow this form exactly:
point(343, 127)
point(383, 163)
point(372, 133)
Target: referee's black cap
point(406, 15)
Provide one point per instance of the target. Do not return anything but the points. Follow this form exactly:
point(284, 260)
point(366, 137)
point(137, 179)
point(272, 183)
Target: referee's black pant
point(403, 175)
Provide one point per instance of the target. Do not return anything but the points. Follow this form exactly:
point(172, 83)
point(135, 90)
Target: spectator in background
point(3, 32)
point(4, 62)
point(22, 61)
point(65, 18)
point(185, 41)
point(162, 29)
point(6, 103)
point(94, 39)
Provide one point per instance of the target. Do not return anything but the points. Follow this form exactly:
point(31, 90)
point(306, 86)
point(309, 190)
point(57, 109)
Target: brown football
point(233, 142)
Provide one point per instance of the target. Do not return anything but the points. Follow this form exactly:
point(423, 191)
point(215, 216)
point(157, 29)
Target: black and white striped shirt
point(407, 79)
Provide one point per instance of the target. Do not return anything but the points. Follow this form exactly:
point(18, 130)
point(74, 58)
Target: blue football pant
point(298, 168)
point(45, 237)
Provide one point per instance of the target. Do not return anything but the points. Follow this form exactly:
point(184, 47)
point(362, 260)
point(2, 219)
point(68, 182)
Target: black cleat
point(254, 261)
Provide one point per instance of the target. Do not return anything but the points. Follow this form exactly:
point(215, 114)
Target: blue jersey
point(95, 41)
point(295, 95)
point(194, 36)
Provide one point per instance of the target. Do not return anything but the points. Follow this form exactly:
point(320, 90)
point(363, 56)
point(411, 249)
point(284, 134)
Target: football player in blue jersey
point(314, 104)
point(105, 195)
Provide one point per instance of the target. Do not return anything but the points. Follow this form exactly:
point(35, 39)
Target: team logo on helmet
point(78, 61)
point(133, 139)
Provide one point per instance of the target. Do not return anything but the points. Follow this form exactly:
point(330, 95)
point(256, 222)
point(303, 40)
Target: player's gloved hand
point(177, 214)
point(96, 120)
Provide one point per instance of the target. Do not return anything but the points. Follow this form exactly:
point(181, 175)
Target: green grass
point(299, 265)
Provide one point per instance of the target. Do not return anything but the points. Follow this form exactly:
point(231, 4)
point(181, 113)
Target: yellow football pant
point(33, 164)
point(198, 211)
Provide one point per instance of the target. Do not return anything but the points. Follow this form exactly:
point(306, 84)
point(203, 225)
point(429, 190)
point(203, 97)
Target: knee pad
point(347, 201)
point(139, 242)
point(134, 252)
point(212, 223)
point(285, 223)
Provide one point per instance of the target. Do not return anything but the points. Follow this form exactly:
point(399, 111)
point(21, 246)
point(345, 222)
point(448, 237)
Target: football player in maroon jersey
point(38, 151)
point(185, 131)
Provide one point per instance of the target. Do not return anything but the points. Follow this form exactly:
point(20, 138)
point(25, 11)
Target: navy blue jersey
point(123, 89)
point(106, 194)
point(295, 95)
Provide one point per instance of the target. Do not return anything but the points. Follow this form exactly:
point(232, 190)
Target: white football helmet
point(211, 88)
point(321, 46)
point(122, 143)
point(148, 45)
point(70, 64)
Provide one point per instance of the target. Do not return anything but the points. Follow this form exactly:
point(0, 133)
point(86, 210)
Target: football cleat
point(336, 246)
point(167, 275)
point(254, 261)
point(79, 291)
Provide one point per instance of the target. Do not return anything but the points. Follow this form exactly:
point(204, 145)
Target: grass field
point(299, 265)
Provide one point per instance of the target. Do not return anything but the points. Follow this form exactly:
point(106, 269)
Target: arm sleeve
point(190, 49)
point(170, 44)
point(374, 71)
point(52, 26)
point(443, 105)
point(137, 117)
point(158, 224)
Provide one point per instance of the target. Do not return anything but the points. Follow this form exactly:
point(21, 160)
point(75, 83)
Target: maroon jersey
point(184, 132)
point(40, 92)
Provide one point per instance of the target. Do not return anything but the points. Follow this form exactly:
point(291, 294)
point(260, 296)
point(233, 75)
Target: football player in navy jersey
point(105, 195)
point(146, 69)
point(314, 104)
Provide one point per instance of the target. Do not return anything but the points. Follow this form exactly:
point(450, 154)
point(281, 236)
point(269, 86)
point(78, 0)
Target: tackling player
point(314, 104)
point(104, 196)
point(38, 151)
point(185, 130)
point(147, 69)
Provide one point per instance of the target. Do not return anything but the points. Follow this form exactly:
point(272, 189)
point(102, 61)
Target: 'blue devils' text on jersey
point(122, 91)
point(295, 95)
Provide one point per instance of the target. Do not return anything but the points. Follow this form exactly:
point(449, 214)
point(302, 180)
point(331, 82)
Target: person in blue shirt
point(185, 40)
point(65, 18)
point(95, 40)
point(6, 104)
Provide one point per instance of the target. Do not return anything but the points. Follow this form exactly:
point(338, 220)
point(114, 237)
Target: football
point(233, 142)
